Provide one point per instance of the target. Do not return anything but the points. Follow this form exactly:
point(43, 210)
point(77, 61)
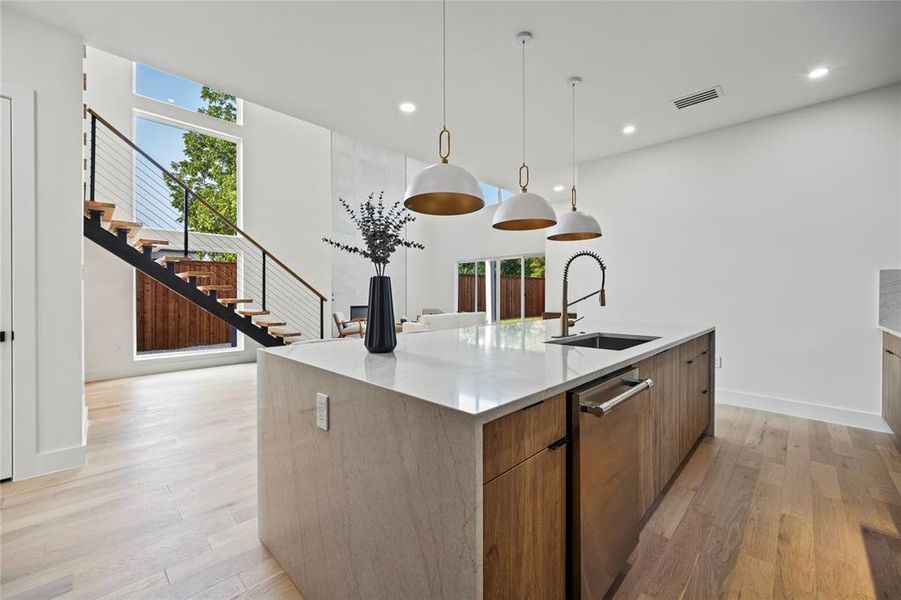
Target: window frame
point(239, 102)
point(496, 275)
point(140, 113)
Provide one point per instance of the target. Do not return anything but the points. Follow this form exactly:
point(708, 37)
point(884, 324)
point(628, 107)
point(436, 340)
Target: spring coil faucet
point(565, 323)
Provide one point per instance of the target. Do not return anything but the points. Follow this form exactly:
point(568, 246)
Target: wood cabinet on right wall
point(674, 414)
point(891, 381)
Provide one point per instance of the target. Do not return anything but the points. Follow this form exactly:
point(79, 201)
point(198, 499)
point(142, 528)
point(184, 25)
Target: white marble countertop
point(488, 370)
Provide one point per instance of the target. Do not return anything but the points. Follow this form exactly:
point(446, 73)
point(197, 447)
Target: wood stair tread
point(131, 226)
point(124, 225)
point(106, 208)
point(252, 313)
point(145, 242)
point(270, 323)
point(285, 334)
point(170, 258)
point(216, 287)
point(186, 274)
point(235, 300)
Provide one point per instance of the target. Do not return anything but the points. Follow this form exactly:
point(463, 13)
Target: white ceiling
point(347, 65)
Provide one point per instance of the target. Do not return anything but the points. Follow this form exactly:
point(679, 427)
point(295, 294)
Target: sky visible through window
point(165, 144)
point(168, 88)
point(489, 193)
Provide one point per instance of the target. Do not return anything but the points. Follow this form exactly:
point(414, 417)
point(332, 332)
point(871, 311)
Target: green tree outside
point(534, 267)
point(210, 169)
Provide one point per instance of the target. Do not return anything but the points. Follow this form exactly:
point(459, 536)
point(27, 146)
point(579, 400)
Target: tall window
point(184, 93)
point(207, 162)
point(507, 289)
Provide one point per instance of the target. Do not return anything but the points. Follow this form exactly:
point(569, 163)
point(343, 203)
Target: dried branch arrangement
point(382, 228)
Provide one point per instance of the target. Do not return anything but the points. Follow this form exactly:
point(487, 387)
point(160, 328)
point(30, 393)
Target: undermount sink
point(604, 341)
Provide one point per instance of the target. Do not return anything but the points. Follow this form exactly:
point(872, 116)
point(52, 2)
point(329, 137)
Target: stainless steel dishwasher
point(603, 480)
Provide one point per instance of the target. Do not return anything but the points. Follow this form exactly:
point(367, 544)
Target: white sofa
point(445, 321)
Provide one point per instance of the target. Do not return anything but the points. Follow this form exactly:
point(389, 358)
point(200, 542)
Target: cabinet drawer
point(508, 441)
point(691, 349)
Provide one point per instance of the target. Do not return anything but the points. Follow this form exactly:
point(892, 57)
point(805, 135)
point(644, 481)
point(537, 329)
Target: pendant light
point(525, 210)
point(443, 188)
point(574, 225)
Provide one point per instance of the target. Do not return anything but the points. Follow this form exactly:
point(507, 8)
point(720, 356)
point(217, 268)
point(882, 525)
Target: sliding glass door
point(505, 288)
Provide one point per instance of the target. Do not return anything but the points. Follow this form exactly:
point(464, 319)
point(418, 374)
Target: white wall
point(286, 185)
point(774, 231)
point(48, 61)
point(358, 170)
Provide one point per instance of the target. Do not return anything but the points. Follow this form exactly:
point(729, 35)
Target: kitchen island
point(440, 472)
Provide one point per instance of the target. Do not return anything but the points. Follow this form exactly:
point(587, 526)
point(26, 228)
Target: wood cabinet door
point(891, 389)
point(666, 398)
point(694, 402)
point(702, 408)
point(649, 404)
point(688, 391)
point(525, 529)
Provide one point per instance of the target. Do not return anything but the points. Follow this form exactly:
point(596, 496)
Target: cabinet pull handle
point(890, 352)
point(703, 391)
point(558, 444)
point(600, 409)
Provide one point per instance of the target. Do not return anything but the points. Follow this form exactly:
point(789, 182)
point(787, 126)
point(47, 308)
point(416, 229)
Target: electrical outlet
point(322, 411)
point(719, 362)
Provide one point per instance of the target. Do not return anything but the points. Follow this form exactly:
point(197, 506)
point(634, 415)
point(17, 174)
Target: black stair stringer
point(95, 232)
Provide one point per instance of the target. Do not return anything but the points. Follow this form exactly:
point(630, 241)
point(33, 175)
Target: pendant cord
point(523, 101)
point(444, 62)
point(574, 147)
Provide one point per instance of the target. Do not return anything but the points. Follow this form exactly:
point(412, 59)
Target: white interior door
point(6, 390)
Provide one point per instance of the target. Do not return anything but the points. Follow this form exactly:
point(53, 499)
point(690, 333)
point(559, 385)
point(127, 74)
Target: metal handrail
point(196, 197)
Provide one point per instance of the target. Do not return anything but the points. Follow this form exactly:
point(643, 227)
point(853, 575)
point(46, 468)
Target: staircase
point(130, 210)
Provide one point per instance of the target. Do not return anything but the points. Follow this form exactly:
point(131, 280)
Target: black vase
point(380, 335)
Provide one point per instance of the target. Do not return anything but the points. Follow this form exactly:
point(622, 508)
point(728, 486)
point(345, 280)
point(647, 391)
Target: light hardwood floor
point(773, 507)
point(164, 508)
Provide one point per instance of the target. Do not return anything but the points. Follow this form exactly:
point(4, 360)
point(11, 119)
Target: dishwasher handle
point(602, 408)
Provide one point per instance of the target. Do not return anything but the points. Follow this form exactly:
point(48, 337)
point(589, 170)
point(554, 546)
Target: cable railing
point(182, 221)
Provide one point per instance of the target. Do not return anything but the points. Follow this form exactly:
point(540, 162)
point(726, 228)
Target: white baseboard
point(60, 460)
point(795, 408)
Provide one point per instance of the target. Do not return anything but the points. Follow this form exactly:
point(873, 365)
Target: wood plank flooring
point(164, 508)
point(773, 507)
point(776, 507)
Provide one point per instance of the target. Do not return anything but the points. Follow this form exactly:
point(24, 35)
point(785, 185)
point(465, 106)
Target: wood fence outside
point(510, 300)
point(166, 321)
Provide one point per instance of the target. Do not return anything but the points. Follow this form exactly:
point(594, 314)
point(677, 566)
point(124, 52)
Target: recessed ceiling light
point(629, 129)
point(818, 73)
point(558, 188)
point(407, 107)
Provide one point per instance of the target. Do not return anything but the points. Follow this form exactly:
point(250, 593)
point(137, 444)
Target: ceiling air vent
point(698, 97)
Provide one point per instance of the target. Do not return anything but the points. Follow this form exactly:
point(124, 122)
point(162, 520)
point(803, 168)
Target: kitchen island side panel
point(386, 504)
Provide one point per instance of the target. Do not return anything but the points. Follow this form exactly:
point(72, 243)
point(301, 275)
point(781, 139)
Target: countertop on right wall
point(890, 300)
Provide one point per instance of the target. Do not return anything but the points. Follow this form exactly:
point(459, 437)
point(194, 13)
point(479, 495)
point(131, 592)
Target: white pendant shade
point(444, 189)
point(522, 212)
point(574, 225)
